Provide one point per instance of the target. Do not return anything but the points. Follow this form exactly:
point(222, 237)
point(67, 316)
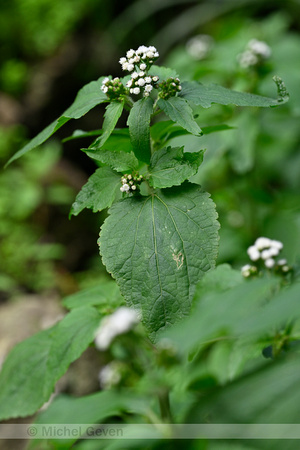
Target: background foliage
point(49, 49)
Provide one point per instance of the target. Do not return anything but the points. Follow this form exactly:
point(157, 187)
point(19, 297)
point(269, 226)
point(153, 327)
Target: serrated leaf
point(178, 110)
point(158, 247)
point(112, 114)
point(34, 366)
point(87, 98)
point(171, 166)
point(139, 128)
point(107, 295)
point(99, 192)
point(117, 160)
point(205, 96)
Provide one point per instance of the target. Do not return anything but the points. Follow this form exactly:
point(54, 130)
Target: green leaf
point(139, 128)
point(34, 366)
point(178, 110)
point(112, 114)
point(92, 409)
point(252, 315)
point(272, 395)
point(171, 166)
point(106, 295)
point(163, 73)
point(119, 140)
point(87, 98)
point(205, 96)
point(99, 192)
point(117, 160)
point(158, 247)
point(79, 134)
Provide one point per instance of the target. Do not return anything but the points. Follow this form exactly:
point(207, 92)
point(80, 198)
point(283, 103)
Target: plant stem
point(164, 403)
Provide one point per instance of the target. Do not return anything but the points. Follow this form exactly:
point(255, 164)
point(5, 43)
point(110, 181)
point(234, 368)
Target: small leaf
point(32, 368)
point(158, 247)
point(107, 294)
point(98, 193)
point(139, 128)
point(118, 140)
point(205, 96)
point(118, 160)
point(163, 73)
point(87, 98)
point(112, 114)
point(171, 166)
point(178, 110)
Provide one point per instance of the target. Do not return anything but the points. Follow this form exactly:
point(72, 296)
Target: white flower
point(262, 242)
point(140, 82)
point(133, 187)
point(277, 244)
point(125, 188)
point(146, 94)
point(269, 263)
point(104, 89)
point(120, 322)
point(148, 79)
point(125, 66)
point(130, 53)
point(141, 74)
point(134, 75)
point(129, 83)
point(150, 55)
point(260, 48)
point(148, 88)
point(152, 49)
point(143, 66)
point(253, 253)
point(199, 46)
point(155, 79)
point(282, 262)
point(136, 91)
point(110, 375)
point(105, 80)
point(122, 60)
point(246, 270)
point(142, 49)
point(266, 254)
point(130, 67)
point(247, 59)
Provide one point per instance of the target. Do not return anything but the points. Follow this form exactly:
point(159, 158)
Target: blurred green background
point(49, 49)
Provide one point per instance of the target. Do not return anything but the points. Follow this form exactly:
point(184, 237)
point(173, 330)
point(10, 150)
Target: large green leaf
point(87, 98)
point(178, 110)
point(33, 367)
point(158, 247)
point(112, 114)
point(254, 312)
point(139, 128)
point(171, 166)
point(99, 192)
point(117, 160)
point(205, 96)
point(163, 73)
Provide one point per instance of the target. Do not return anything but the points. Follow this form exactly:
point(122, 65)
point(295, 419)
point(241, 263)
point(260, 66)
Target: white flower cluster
point(143, 57)
point(113, 88)
point(138, 62)
point(129, 183)
point(256, 52)
point(120, 322)
point(199, 46)
point(265, 250)
point(110, 375)
point(141, 80)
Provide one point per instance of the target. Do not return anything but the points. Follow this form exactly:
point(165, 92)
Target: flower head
point(120, 322)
